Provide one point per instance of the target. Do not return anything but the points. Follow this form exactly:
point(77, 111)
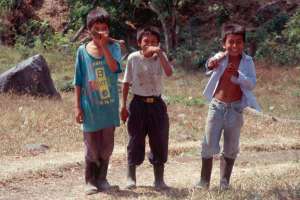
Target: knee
point(231, 153)
point(208, 149)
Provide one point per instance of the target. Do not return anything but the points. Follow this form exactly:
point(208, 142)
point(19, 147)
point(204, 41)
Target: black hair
point(235, 29)
point(148, 30)
point(97, 15)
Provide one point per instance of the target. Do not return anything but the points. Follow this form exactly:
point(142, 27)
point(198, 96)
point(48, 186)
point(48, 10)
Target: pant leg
point(233, 125)
point(92, 162)
point(137, 133)
point(158, 126)
point(91, 142)
point(106, 143)
point(213, 130)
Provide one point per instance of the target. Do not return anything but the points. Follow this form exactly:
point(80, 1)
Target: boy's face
point(98, 27)
point(234, 44)
point(146, 41)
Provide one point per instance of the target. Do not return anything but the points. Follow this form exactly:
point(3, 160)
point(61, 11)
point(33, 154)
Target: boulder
point(31, 76)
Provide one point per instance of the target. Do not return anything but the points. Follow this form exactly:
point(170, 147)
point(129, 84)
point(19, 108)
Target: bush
point(194, 55)
point(279, 40)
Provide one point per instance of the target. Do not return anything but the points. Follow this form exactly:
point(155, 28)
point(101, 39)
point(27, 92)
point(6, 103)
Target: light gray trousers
point(226, 118)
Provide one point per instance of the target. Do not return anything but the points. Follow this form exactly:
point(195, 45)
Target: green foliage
point(186, 101)
point(279, 39)
point(221, 12)
point(195, 53)
point(9, 4)
point(119, 13)
point(292, 31)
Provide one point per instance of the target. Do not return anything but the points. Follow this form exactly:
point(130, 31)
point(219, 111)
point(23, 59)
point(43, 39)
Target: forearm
point(165, 64)
point(112, 64)
point(77, 96)
point(125, 91)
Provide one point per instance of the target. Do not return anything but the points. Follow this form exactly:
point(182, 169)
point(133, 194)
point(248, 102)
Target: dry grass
point(25, 120)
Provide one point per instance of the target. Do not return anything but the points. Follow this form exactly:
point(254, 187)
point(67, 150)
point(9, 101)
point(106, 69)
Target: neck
point(235, 58)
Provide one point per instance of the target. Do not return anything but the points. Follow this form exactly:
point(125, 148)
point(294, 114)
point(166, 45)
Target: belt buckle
point(149, 100)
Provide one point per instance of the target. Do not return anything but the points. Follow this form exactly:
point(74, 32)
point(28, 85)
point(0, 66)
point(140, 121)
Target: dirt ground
point(60, 176)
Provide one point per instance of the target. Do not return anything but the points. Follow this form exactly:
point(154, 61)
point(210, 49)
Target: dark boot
point(226, 165)
point(159, 182)
point(102, 181)
point(91, 176)
point(206, 169)
point(131, 177)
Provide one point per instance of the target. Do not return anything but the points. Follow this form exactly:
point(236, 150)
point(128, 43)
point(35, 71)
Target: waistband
point(148, 99)
point(225, 104)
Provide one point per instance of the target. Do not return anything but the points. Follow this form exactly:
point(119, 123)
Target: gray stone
point(36, 147)
point(31, 76)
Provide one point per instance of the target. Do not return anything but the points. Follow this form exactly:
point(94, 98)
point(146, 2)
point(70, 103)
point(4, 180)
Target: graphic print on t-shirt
point(102, 83)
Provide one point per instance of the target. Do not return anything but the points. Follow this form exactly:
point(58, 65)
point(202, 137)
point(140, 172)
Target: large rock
point(31, 76)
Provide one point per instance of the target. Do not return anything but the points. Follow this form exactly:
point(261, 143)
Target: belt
point(148, 99)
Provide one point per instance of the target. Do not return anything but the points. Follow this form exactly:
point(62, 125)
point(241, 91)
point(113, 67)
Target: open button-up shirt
point(246, 80)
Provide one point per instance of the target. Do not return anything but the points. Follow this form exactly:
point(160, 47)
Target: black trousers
point(148, 118)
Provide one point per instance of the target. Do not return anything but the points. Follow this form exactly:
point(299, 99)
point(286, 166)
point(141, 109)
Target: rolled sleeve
point(117, 56)
point(128, 72)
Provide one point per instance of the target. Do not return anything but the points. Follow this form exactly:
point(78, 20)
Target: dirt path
point(62, 177)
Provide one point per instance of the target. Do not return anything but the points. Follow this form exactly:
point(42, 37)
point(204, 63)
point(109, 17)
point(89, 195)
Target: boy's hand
point(124, 114)
point(214, 61)
point(151, 50)
point(79, 115)
point(102, 39)
point(232, 70)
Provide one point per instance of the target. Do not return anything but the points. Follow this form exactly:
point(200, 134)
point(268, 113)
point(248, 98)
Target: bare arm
point(124, 111)
point(102, 46)
point(112, 64)
point(165, 63)
point(78, 109)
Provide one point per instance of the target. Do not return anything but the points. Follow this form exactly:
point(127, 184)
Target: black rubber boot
point(159, 182)
point(131, 177)
point(102, 181)
point(206, 169)
point(91, 176)
point(226, 166)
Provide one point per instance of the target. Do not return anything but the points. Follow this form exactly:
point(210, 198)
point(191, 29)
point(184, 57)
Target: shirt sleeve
point(128, 71)
point(209, 71)
point(78, 67)
point(117, 56)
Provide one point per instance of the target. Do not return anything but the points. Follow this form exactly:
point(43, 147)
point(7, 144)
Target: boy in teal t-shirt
point(97, 101)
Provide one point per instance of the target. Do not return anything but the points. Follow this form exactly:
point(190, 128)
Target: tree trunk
point(164, 24)
point(77, 34)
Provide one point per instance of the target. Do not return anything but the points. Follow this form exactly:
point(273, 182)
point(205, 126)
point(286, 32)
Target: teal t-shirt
point(99, 89)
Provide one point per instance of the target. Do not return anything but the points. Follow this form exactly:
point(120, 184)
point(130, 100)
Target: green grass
point(186, 101)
